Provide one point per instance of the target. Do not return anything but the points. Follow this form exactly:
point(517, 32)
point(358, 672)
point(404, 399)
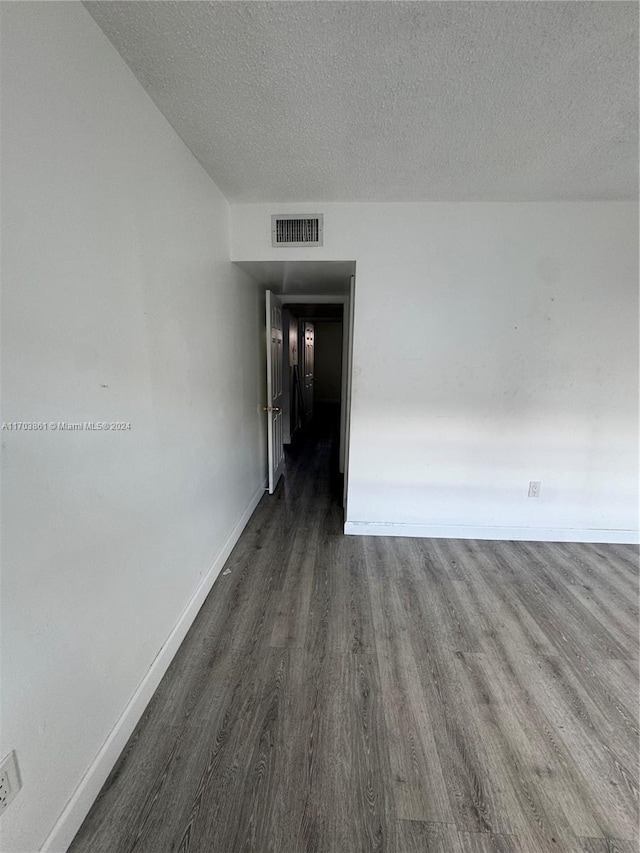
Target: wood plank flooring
point(349, 695)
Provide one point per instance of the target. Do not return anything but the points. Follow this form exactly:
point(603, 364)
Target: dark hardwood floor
point(346, 695)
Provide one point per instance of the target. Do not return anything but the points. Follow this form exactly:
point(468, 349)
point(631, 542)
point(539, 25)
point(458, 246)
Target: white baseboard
point(460, 531)
point(85, 794)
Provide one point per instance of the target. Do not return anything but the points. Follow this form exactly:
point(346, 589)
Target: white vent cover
point(296, 230)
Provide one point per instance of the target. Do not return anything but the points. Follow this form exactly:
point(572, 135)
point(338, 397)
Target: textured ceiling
point(394, 101)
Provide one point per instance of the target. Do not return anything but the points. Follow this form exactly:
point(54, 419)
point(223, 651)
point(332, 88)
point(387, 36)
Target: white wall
point(119, 304)
point(494, 344)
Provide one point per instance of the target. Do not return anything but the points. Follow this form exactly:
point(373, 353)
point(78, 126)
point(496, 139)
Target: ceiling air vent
point(296, 230)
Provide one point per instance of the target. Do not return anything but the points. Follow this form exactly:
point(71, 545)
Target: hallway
point(345, 695)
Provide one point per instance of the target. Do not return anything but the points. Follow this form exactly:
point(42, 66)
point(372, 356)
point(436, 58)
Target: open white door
point(274, 389)
point(347, 368)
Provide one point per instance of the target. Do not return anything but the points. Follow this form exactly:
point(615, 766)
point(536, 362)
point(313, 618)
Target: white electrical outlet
point(534, 488)
point(9, 780)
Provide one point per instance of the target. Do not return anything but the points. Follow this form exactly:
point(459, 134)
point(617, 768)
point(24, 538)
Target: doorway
point(320, 338)
point(310, 292)
point(312, 404)
point(313, 364)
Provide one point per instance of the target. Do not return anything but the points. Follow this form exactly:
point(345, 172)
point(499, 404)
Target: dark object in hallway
point(345, 695)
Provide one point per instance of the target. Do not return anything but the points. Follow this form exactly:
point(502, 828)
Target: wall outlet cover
point(534, 488)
